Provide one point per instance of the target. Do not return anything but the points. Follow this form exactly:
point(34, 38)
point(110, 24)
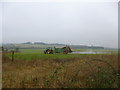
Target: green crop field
point(32, 68)
point(32, 54)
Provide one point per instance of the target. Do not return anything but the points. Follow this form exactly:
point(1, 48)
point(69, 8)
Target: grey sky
point(0, 23)
point(119, 25)
point(70, 23)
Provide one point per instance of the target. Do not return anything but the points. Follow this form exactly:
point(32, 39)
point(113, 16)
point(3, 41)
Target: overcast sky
point(69, 23)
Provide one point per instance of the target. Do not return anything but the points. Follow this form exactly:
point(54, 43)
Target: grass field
point(33, 69)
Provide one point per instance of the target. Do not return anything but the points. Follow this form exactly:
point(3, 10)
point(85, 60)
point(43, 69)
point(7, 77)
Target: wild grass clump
point(101, 80)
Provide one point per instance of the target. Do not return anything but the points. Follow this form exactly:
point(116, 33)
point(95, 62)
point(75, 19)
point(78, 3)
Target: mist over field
point(67, 23)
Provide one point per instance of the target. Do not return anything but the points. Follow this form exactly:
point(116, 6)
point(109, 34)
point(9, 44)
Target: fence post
point(12, 55)
point(3, 58)
point(2, 49)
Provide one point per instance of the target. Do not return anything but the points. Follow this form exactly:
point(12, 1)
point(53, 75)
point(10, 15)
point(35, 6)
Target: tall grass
point(60, 71)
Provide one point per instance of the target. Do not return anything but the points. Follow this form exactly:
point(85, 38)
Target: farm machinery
point(64, 50)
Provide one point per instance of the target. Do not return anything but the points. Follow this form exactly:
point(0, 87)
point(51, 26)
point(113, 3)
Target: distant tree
point(39, 43)
point(28, 42)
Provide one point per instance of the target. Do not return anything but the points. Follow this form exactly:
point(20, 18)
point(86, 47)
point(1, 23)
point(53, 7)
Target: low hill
point(41, 45)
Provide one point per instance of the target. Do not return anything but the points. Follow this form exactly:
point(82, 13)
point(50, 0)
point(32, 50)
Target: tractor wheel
point(51, 52)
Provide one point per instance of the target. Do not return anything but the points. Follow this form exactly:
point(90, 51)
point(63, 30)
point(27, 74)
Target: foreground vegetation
point(35, 70)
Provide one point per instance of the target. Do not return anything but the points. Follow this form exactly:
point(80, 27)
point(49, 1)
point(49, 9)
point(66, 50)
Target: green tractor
point(48, 50)
point(64, 50)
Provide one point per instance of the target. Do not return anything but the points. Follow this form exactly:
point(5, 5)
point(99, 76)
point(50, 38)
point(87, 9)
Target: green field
point(33, 54)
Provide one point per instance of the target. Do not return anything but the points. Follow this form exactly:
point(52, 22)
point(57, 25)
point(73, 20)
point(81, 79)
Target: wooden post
point(2, 49)
point(3, 58)
point(12, 55)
